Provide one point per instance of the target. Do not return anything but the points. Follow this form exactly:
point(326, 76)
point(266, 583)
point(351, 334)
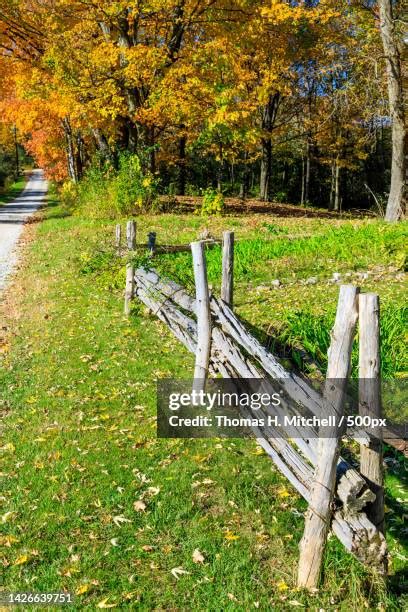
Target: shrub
point(108, 192)
point(213, 203)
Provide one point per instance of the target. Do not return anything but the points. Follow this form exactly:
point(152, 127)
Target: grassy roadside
point(13, 191)
point(93, 503)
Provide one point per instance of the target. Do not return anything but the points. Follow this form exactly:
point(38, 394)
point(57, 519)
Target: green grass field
point(93, 503)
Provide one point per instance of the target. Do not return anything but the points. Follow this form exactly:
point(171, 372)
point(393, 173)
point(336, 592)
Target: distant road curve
point(12, 218)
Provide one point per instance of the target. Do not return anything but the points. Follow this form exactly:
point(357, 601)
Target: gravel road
point(12, 218)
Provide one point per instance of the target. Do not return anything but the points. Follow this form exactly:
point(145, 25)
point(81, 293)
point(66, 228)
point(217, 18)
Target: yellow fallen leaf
point(8, 540)
point(21, 560)
point(104, 604)
point(283, 492)
point(282, 586)
point(84, 588)
point(8, 448)
point(259, 451)
point(231, 536)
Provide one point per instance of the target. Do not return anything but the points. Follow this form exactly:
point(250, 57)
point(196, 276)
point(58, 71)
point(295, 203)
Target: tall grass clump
point(108, 192)
point(313, 332)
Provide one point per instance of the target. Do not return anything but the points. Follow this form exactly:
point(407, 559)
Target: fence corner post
point(318, 516)
point(203, 313)
point(130, 287)
point(369, 393)
point(131, 235)
point(227, 283)
point(118, 235)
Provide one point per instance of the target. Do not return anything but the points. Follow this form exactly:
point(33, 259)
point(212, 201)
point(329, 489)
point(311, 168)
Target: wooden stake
point(318, 517)
point(203, 316)
point(369, 391)
point(130, 287)
point(227, 285)
point(118, 235)
point(131, 235)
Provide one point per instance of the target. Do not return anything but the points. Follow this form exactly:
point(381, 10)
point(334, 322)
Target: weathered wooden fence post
point(130, 287)
point(118, 235)
point(151, 242)
point(227, 283)
point(131, 235)
point(317, 522)
point(203, 313)
point(369, 391)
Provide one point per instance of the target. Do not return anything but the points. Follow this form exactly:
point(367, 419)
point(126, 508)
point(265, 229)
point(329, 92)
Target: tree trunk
point(335, 197)
point(303, 176)
point(70, 149)
point(396, 197)
point(244, 185)
point(132, 136)
point(307, 174)
point(182, 174)
point(220, 169)
point(336, 206)
point(269, 112)
point(266, 170)
point(103, 146)
point(17, 157)
point(79, 155)
point(332, 185)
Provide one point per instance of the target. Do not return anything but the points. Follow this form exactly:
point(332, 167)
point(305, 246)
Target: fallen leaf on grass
point(294, 602)
point(178, 571)
point(231, 536)
point(68, 571)
point(104, 604)
point(8, 516)
point(21, 560)
point(282, 586)
point(8, 540)
point(139, 506)
point(208, 481)
point(152, 491)
point(84, 588)
point(147, 548)
point(8, 448)
point(118, 520)
point(198, 557)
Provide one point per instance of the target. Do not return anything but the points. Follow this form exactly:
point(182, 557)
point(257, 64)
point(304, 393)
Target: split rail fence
point(348, 502)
